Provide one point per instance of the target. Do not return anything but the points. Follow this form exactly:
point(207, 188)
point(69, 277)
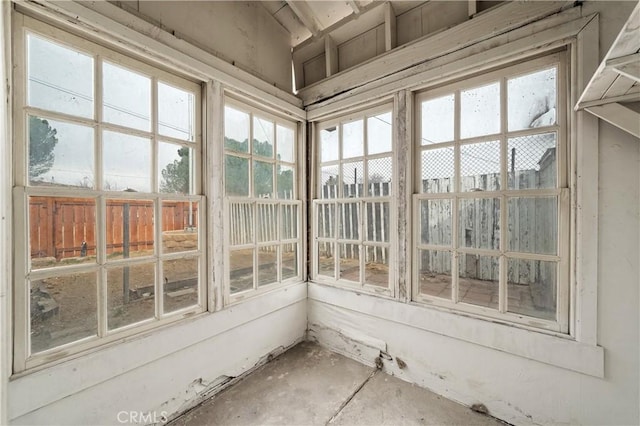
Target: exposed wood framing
point(620, 67)
point(631, 71)
point(473, 7)
point(390, 31)
point(618, 115)
point(306, 16)
point(330, 55)
point(354, 6)
point(506, 18)
point(471, 59)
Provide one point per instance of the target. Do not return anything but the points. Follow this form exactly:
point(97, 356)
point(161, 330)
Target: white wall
point(519, 388)
point(242, 33)
point(166, 371)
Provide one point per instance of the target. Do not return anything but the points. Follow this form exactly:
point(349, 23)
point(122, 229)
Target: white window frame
point(560, 191)
point(362, 201)
point(23, 359)
point(252, 202)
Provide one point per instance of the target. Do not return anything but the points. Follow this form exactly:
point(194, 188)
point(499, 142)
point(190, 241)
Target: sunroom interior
point(448, 191)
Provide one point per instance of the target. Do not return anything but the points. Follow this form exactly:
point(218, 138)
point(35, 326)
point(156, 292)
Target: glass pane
point(60, 154)
point(267, 265)
point(286, 144)
point(480, 166)
point(532, 161)
point(329, 182)
point(236, 130)
point(349, 262)
point(130, 294)
point(329, 144)
point(130, 230)
point(62, 310)
point(241, 270)
point(435, 273)
point(437, 170)
point(62, 231)
point(289, 221)
point(380, 173)
point(352, 178)
point(180, 285)
point(240, 223)
point(179, 226)
point(326, 220)
point(176, 169)
point(289, 261)
point(127, 162)
point(480, 111)
point(353, 139)
point(531, 288)
point(532, 100)
point(376, 267)
point(326, 259)
point(437, 120)
point(349, 221)
point(533, 225)
point(267, 222)
point(378, 221)
point(263, 137)
point(262, 179)
point(236, 176)
point(126, 97)
point(435, 222)
point(59, 79)
point(176, 112)
point(379, 133)
point(286, 179)
point(478, 280)
point(479, 220)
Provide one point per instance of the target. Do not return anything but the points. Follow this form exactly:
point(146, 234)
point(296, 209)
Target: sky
point(61, 80)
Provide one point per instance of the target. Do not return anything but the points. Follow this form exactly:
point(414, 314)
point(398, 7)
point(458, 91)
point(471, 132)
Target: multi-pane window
point(352, 205)
point(263, 208)
point(108, 184)
point(491, 211)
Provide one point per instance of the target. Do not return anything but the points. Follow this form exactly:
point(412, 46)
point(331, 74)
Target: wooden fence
point(64, 227)
point(350, 217)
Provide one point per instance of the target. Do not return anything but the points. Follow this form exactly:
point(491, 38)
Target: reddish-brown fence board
point(58, 226)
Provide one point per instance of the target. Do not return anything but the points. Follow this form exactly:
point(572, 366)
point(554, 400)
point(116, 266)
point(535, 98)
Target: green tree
point(175, 176)
point(42, 141)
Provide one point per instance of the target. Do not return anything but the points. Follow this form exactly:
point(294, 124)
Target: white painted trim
point(618, 115)
point(28, 395)
point(6, 224)
point(504, 19)
point(114, 26)
point(585, 180)
point(549, 349)
point(390, 27)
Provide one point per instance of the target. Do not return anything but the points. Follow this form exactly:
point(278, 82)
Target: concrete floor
point(310, 385)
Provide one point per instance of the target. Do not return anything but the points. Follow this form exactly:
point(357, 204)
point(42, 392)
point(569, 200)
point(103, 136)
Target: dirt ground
point(64, 309)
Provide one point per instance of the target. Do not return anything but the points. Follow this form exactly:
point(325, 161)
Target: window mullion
point(503, 271)
point(457, 119)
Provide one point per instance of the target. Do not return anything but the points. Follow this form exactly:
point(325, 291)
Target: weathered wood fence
point(64, 227)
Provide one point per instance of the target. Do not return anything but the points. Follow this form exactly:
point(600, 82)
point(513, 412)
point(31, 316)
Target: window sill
point(557, 350)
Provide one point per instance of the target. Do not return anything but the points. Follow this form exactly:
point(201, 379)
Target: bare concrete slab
point(310, 385)
point(306, 385)
point(387, 400)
